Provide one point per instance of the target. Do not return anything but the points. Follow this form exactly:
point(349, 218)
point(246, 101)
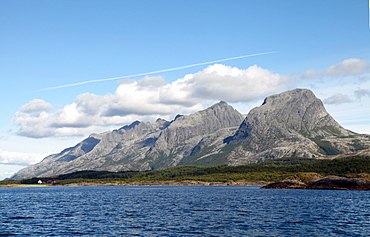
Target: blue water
point(182, 211)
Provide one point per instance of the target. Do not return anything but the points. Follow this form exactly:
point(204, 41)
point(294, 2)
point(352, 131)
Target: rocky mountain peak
point(218, 116)
point(297, 111)
point(293, 123)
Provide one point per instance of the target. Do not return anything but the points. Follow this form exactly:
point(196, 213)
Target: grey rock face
point(93, 152)
point(291, 124)
point(186, 134)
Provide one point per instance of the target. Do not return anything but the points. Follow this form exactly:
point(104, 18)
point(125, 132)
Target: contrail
point(149, 73)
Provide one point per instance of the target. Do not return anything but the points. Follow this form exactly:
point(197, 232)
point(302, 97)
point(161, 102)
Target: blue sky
point(320, 45)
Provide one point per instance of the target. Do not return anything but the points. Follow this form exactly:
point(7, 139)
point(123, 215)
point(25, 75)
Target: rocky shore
point(315, 181)
point(185, 183)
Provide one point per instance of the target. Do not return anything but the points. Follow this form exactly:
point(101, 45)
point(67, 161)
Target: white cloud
point(33, 125)
point(338, 99)
point(220, 82)
point(148, 99)
point(312, 73)
point(152, 82)
point(36, 106)
point(18, 158)
point(352, 66)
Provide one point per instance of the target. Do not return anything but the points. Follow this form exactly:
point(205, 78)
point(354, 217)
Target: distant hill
point(291, 124)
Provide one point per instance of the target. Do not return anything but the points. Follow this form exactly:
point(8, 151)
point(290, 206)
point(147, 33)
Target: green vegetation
point(358, 145)
point(326, 148)
point(212, 160)
point(268, 171)
point(290, 161)
point(161, 160)
point(332, 129)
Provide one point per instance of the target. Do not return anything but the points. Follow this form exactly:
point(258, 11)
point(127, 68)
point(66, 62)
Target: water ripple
point(182, 211)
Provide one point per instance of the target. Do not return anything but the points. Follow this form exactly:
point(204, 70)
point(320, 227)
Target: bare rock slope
point(291, 124)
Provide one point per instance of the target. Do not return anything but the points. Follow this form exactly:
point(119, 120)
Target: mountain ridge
point(292, 123)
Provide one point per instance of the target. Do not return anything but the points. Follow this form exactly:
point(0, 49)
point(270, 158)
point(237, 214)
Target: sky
point(75, 67)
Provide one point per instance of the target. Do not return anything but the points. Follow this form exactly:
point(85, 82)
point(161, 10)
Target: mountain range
point(290, 124)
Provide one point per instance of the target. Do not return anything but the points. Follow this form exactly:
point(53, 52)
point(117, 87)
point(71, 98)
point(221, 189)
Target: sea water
point(182, 211)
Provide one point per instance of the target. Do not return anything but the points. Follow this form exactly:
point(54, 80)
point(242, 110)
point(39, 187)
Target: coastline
point(185, 183)
point(23, 185)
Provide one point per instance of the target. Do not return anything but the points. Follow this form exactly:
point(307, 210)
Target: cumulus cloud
point(338, 99)
point(148, 99)
point(36, 106)
point(220, 82)
point(312, 73)
point(352, 66)
point(18, 158)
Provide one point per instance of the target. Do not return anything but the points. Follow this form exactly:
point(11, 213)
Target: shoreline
point(187, 183)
